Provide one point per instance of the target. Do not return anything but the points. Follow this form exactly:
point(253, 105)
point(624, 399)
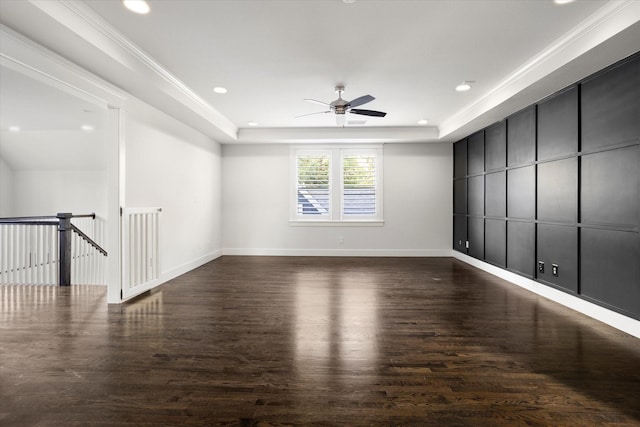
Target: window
point(336, 184)
point(313, 189)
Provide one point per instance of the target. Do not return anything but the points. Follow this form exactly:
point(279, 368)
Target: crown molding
point(29, 58)
point(89, 26)
point(335, 135)
point(605, 23)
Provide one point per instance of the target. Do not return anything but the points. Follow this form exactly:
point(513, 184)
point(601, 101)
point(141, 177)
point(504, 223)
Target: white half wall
point(417, 206)
point(6, 189)
point(174, 167)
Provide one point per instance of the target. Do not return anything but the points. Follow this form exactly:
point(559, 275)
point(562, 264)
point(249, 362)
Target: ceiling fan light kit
point(341, 106)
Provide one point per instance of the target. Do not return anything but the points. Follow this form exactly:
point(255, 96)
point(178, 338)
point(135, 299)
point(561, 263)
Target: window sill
point(329, 223)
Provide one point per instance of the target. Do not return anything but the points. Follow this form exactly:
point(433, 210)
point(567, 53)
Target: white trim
point(183, 269)
point(85, 23)
point(138, 290)
point(103, 27)
point(116, 191)
point(191, 265)
point(328, 147)
point(339, 135)
point(31, 59)
point(611, 318)
point(611, 19)
point(345, 223)
point(335, 215)
point(338, 252)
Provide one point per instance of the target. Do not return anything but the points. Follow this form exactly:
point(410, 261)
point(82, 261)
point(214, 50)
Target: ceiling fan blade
point(311, 114)
point(368, 112)
point(360, 101)
point(317, 102)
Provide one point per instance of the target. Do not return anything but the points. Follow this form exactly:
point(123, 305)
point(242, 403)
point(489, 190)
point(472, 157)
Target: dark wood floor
point(313, 341)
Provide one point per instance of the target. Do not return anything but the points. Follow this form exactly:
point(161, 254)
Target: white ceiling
point(408, 54)
point(36, 106)
point(271, 54)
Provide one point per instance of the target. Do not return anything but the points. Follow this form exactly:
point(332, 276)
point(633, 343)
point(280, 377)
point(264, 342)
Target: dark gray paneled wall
point(553, 191)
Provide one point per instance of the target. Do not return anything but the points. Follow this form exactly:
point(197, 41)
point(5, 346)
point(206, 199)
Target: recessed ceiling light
point(137, 6)
point(348, 1)
point(563, 1)
point(220, 89)
point(14, 128)
point(87, 128)
point(423, 121)
point(252, 123)
point(464, 86)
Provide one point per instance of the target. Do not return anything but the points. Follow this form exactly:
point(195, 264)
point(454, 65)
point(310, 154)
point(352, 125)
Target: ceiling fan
point(341, 106)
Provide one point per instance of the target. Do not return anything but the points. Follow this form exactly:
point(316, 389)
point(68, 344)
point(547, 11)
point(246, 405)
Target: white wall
point(48, 192)
point(59, 170)
point(417, 205)
point(176, 168)
point(6, 189)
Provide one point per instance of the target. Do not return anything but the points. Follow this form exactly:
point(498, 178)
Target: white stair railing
point(52, 250)
point(88, 265)
point(29, 254)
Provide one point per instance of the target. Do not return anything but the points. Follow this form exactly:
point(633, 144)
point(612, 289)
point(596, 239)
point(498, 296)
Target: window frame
point(336, 214)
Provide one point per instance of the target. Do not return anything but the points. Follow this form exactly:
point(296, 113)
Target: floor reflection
point(336, 321)
point(22, 301)
point(143, 314)
point(314, 317)
point(359, 318)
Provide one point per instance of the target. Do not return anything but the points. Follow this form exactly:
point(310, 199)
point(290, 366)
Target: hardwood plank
point(268, 341)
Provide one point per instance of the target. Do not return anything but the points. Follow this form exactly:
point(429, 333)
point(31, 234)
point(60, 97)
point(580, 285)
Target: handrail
point(35, 222)
point(89, 240)
point(91, 215)
point(30, 219)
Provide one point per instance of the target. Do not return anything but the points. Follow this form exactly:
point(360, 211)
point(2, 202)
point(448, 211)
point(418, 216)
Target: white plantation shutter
point(337, 184)
point(313, 183)
point(359, 182)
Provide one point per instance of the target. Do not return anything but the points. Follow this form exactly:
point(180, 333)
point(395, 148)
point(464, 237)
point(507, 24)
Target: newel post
point(64, 248)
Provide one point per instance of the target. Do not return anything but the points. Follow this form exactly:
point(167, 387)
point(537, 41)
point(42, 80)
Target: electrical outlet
point(554, 269)
point(541, 266)
point(467, 244)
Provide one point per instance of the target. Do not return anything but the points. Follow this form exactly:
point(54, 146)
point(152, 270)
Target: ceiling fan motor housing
point(340, 105)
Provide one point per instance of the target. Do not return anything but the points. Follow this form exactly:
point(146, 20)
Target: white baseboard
point(188, 266)
point(165, 276)
point(611, 318)
point(339, 252)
